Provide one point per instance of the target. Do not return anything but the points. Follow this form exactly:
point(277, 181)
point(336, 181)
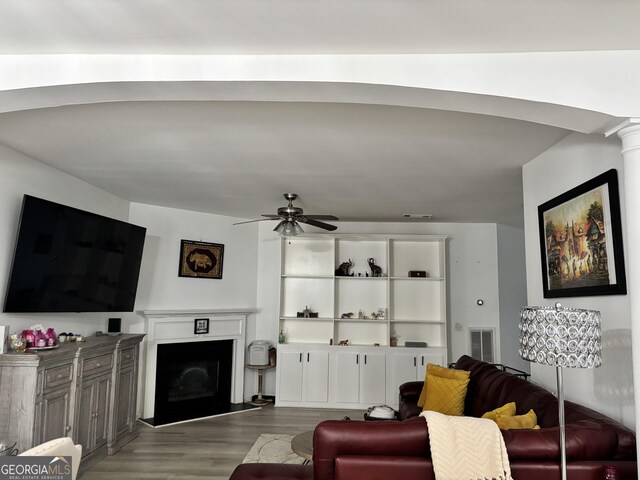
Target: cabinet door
point(316, 377)
point(125, 404)
point(290, 387)
point(372, 378)
point(54, 421)
point(436, 358)
point(348, 377)
point(405, 368)
point(101, 412)
point(84, 416)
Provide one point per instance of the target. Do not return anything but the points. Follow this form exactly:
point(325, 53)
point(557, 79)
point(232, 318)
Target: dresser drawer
point(58, 376)
point(98, 364)
point(127, 356)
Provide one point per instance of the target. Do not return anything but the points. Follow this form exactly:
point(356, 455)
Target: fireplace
point(193, 380)
point(210, 377)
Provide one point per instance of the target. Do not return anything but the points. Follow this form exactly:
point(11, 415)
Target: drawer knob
point(98, 364)
point(67, 428)
point(59, 376)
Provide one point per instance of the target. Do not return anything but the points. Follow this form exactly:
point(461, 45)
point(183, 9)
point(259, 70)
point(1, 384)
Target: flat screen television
point(69, 260)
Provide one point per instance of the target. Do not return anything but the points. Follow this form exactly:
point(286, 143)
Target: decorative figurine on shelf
point(281, 337)
point(347, 315)
point(360, 314)
point(306, 312)
point(343, 343)
point(382, 313)
point(343, 269)
point(376, 271)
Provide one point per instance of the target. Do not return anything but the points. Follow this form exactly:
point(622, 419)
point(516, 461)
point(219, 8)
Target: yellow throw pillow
point(445, 395)
point(438, 371)
point(528, 420)
point(508, 409)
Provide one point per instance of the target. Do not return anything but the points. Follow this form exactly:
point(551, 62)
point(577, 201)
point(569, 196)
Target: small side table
point(260, 368)
point(302, 445)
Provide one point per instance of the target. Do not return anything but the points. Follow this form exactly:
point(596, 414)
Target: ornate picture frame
point(581, 240)
point(200, 259)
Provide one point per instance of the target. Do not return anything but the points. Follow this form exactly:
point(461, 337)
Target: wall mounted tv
point(69, 260)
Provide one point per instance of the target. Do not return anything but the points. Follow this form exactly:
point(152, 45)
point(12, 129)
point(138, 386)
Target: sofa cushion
point(508, 409)
point(445, 395)
point(438, 371)
point(510, 422)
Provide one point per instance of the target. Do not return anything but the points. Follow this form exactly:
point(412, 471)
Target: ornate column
point(629, 133)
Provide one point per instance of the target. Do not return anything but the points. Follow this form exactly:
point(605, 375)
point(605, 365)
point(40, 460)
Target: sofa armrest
point(410, 391)
point(336, 438)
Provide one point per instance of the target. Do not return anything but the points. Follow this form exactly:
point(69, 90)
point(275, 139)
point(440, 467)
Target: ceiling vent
point(481, 344)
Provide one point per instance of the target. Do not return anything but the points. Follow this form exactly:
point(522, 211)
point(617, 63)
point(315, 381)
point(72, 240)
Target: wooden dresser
point(85, 390)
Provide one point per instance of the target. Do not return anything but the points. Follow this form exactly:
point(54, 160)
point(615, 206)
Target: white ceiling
point(364, 162)
point(316, 26)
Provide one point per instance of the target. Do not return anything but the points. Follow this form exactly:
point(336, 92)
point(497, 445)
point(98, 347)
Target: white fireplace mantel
point(177, 326)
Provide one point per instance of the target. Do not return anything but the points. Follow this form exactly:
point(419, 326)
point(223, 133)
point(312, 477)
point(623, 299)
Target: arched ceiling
point(119, 94)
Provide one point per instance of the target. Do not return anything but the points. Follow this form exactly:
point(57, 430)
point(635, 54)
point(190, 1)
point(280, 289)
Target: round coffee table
point(302, 445)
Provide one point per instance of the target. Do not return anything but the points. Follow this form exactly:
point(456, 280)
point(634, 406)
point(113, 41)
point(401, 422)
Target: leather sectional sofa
point(350, 450)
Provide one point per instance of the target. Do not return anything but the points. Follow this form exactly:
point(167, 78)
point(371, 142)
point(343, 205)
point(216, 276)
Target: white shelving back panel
point(362, 332)
point(305, 330)
point(367, 295)
point(419, 332)
point(306, 256)
point(413, 299)
point(315, 293)
point(359, 251)
point(409, 255)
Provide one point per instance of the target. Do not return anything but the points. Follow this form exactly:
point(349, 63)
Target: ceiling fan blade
point(271, 216)
point(322, 217)
point(315, 223)
point(251, 221)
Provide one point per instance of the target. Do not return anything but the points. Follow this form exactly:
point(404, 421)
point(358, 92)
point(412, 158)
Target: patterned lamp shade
point(560, 337)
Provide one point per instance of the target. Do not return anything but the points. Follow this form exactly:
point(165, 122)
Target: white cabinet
point(312, 369)
point(408, 365)
point(302, 377)
point(359, 379)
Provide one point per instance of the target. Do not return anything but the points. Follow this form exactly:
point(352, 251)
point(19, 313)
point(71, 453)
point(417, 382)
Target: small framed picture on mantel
point(200, 259)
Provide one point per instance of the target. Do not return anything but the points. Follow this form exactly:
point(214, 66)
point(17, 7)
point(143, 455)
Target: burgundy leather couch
point(350, 450)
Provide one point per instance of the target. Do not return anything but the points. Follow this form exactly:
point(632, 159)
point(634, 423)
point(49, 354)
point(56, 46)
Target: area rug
point(272, 448)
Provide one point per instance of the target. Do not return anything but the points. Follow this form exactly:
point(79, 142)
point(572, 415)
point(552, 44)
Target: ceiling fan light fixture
point(288, 228)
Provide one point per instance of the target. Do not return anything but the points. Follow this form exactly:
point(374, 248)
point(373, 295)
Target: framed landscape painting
point(581, 240)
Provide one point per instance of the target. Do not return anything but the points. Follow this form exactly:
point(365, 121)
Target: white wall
point(572, 161)
point(21, 175)
point(472, 269)
point(160, 287)
point(513, 293)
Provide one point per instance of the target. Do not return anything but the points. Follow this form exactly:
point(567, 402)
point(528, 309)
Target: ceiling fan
point(290, 217)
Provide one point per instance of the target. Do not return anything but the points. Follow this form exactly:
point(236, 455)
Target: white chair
point(60, 447)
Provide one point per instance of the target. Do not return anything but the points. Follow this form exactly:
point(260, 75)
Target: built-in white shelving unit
point(415, 308)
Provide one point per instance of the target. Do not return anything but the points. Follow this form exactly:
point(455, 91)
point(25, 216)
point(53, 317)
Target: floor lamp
point(562, 338)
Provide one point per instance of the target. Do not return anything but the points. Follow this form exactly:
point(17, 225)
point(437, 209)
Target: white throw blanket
point(466, 448)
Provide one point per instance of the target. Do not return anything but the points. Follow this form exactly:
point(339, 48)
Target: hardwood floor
point(208, 449)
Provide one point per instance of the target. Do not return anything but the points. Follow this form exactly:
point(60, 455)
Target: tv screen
point(69, 260)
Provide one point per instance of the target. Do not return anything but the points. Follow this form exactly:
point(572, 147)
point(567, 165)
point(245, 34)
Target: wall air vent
point(481, 344)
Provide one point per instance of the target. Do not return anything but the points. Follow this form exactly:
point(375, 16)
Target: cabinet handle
point(414, 362)
point(357, 359)
point(423, 360)
point(67, 428)
point(300, 357)
point(59, 376)
point(307, 357)
point(365, 359)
